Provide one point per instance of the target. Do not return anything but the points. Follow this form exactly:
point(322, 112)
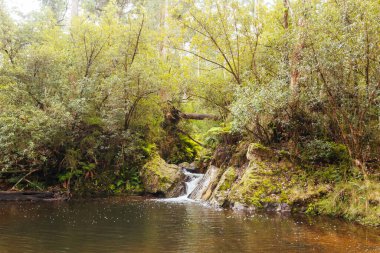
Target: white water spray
point(194, 179)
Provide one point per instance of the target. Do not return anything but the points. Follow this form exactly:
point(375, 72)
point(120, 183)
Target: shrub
point(325, 152)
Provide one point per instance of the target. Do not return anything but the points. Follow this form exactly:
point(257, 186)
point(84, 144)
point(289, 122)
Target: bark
point(199, 116)
point(74, 8)
point(26, 196)
point(164, 25)
point(286, 14)
point(296, 58)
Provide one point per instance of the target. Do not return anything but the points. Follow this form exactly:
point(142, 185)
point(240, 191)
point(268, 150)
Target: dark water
point(137, 225)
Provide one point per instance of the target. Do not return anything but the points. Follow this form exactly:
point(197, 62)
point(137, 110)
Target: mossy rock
point(261, 185)
point(257, 151)
point(223, 187)
point(207, 184)
point(161, 178)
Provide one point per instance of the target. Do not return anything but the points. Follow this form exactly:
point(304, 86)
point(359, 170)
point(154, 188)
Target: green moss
point(93, 121)
point(255, 201)
point(229, 178)
point(311, 209)
point(149, 149)
point(284, 198)
point(258, 146)
point(183, 149)
point(158, 176)
point(284, 153)
point(215, 135)
point(312, 189)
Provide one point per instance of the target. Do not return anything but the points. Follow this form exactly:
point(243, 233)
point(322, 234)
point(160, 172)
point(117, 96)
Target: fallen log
point(28, 196)
point(198, 116)
point(13, 171)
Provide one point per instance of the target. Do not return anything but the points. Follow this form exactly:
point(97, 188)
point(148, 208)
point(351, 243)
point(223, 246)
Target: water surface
point(140, 225)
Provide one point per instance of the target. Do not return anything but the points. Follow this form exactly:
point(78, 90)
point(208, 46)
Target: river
point(125, 224)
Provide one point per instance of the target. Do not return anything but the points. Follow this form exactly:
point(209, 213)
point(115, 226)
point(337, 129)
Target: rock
point(257, 151)
point(208, 183)
point(184, 165)
point(239, 206)
point(161, 178)
point(177, 189)
point(284, 208)
point(277, 207)
point(220, 194)
point(241, 191)
point(193, 166)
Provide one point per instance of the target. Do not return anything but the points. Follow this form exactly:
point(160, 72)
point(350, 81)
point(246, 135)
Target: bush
point(324, 152)
point(181, 149)
point(215, 135)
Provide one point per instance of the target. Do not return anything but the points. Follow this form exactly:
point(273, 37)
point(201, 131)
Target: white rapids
point(195, 178)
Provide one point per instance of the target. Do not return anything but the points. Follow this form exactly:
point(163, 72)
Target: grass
point(354, 200)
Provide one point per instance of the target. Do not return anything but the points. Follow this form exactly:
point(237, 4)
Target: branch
point(191, 138)
point(210, 101)
point(137, 40)
point(28, 174)
point(204, 58)
point(216, 44)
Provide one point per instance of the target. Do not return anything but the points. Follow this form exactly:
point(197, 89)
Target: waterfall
point(191, 184)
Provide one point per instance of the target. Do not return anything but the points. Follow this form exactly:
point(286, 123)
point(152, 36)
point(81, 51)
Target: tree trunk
point(164, 26)
point(199, 116)
point(74, 8)
point(286, 14)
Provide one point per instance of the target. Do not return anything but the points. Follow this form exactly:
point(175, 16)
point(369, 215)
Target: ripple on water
point(139, 225)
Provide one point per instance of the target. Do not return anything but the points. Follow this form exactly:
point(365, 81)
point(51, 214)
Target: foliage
point(356, 200)
point(87, 100)
point(72, 100)
point(324, 152)
point(215, 135)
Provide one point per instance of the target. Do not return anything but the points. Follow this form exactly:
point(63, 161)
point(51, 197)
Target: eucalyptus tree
point(59, 8)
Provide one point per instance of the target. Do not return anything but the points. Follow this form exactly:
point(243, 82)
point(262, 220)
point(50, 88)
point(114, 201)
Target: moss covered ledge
point(161, 178)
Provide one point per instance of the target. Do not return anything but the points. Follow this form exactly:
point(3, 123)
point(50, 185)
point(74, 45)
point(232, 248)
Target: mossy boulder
point(259, 187)
point(163, 179)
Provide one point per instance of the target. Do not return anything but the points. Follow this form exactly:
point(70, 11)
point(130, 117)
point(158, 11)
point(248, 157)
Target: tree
point(59, 8)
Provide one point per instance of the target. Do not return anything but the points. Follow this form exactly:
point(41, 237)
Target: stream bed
point(135, 224)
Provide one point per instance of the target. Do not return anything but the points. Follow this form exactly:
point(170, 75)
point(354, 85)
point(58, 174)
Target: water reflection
point(136, 225)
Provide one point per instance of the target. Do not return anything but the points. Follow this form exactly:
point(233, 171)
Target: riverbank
point(268, 180)
point(263, 179)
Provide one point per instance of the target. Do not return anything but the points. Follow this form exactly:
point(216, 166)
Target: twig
point(191, 138)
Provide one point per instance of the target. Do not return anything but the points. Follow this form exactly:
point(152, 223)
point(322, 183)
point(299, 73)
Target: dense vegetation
point(86, 99)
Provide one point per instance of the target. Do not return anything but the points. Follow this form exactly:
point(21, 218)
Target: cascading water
point(191, 184)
